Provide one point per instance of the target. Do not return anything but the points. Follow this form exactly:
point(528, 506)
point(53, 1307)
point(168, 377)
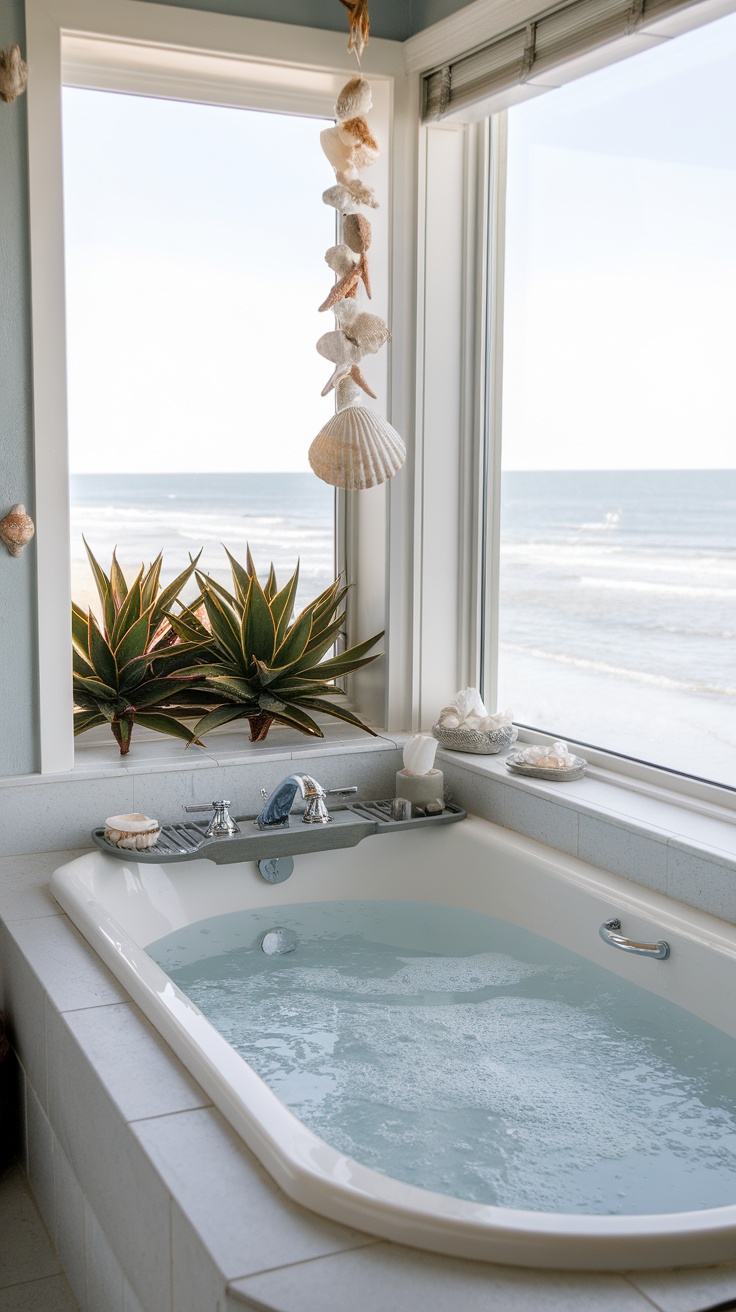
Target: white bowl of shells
point(554, 762)
point(466, 726)
point(135, 831)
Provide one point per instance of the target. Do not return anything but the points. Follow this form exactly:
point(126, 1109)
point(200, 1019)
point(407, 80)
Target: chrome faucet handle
point(315, 812)
point(222, 824)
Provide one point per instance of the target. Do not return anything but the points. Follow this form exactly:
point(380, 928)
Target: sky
point(195, 236)
point(620, 275)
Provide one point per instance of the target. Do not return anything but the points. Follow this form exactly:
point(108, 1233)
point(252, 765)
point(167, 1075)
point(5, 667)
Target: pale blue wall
point(393, 19)
point(18, 721)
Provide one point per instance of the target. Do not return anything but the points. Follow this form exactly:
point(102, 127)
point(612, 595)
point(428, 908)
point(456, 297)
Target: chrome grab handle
point(607, 931)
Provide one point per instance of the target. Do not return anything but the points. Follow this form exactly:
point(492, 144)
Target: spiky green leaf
point(129, 613)
point(167, 724)
point(150, 582)
point(84, 720)
point(282, 606)
point(100, 656)
point(117, 583)
point(224, 625)
point(257, 629)
point(338, 712)
point(135, 641)
point(221, 715)
point(104, 590)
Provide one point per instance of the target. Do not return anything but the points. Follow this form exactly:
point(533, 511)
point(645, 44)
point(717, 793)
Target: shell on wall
point(356, 449)
point(16, 530)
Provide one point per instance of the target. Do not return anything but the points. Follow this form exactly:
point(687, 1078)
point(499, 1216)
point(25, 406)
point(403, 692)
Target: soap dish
point(558, 774)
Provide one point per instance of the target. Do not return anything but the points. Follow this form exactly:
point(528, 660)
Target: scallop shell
point(17, 528)
point(356, 449)
point(339, 349)
point(369, 332)
point(356, 231)
point(419, 753)
point(356, 98)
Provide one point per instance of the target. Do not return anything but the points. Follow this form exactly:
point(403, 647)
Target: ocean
point(617, 590)
point(618, 612)
point(284, 518)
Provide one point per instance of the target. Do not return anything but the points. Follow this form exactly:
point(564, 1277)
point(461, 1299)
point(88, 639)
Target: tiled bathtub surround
point(685, 854)
point(155, 1206)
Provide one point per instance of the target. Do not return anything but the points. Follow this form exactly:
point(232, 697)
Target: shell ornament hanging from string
point(356, 449)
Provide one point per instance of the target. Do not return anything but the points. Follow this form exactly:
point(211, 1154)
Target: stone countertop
point(100, 1074)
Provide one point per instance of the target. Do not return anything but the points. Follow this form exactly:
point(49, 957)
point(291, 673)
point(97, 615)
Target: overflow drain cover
point(276, 941)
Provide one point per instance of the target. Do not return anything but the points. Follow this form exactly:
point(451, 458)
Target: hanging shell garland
point(16, 530)
point(356, 448)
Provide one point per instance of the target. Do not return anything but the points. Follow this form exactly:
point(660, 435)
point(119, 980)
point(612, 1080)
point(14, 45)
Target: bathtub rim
point(318, 1177)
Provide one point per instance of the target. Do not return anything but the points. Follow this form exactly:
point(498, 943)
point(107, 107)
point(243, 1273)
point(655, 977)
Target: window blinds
point(537, 47)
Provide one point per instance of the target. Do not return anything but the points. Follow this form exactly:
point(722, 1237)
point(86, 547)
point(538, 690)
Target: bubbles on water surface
point(503, 1075)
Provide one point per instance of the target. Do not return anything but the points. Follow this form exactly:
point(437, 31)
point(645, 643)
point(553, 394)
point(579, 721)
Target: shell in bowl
point(473, 740)
point(356, 449)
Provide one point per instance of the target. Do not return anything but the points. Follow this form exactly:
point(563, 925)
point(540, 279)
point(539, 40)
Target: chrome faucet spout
point(275, 813)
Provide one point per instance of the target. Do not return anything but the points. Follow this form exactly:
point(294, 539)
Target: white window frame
point(459, 377)
point(159, 50)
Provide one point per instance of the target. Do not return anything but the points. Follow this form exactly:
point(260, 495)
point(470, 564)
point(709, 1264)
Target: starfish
point(359, 24)
point(347, 371)
point(348, 285)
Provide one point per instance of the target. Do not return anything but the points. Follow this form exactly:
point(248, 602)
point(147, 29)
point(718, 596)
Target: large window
point(618, 538)
point(194, 235)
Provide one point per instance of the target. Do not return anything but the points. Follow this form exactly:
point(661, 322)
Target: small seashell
point(343, 371)
point(339, 349)
point(369, 332)
point(356, 449)
point(355, 131)
point(361, 194)
point(340, 199)
point(356, 98)
point(338, 151)
point(13, 74)
point(346, 311)
point(348, 393)
point(341, 259)
point(134, 832)
point(17, 529)
point(356, 231)
point(346, 286)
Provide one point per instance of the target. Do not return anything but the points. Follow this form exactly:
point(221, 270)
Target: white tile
point(540, 819)
point(197, 1284)
point(22, 1000)
point(65, 965)
point(701, 883)
point(69, 1233)
point(104, 1274)
point(633, 855)
point(24, 880)
point(244, 1220)
point(687, 1291)
point(62, 813)
point(139, 1071)
point(50, 1295)
point(25, 1248)
point(40, 1159)
point(113, 1172)
point(388, 1277)
point(479, 794)
point(164, 794)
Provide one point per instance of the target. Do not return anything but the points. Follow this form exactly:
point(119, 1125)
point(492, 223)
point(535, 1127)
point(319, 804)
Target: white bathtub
point(121, 906)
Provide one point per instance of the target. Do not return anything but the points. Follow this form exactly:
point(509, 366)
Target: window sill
point(656, 842)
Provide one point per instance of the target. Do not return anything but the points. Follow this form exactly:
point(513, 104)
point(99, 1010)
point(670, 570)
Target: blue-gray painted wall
point(392, 19)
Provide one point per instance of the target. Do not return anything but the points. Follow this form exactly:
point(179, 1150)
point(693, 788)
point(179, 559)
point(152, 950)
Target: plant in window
point(131, 666)
point(259, 664)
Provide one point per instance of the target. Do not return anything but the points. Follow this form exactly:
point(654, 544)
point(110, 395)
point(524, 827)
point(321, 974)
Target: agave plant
point(259, 663)
point(132, 665)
